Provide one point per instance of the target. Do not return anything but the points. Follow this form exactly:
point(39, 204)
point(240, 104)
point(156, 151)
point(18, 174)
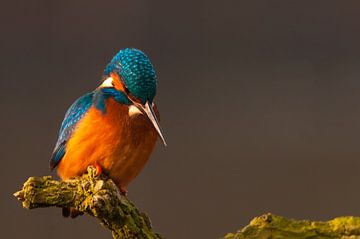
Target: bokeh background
point(259, 101)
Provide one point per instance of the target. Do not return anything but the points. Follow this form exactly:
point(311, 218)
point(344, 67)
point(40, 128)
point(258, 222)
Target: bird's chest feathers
point(119, 126)
point(122, 138)
point(120, 143)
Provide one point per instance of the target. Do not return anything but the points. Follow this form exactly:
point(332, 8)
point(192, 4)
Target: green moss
point(95, 196)
point(270, 226)
point(100, 198)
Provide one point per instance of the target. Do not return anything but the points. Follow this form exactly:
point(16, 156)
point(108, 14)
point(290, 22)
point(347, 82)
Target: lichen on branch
point(99, 197)
point(270, 226)
point(94, 195)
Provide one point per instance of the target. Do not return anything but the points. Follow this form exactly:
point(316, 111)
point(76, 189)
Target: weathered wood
point(96, 196)
point(99, 197)
point(270, 226)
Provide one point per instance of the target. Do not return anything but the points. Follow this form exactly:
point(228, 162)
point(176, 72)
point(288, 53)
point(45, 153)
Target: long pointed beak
point(149, 112)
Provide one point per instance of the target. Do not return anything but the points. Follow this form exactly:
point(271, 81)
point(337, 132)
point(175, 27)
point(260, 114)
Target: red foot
point(123, 190)
point(98, 169)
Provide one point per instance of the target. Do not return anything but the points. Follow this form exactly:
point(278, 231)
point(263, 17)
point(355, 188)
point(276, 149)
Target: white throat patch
point(107, 83)
point(133, 110)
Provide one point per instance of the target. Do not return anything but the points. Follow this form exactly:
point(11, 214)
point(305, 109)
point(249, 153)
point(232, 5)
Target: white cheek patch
point(133, 110)
point(107, 83)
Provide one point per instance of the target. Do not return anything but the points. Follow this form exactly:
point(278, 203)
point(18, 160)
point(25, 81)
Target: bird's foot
point(123, 190)
point(71, 212)
point(98, 169)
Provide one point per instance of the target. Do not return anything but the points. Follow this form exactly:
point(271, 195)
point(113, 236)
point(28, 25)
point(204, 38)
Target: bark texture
point(99, 197)
point(96, 196)
point(270, 226)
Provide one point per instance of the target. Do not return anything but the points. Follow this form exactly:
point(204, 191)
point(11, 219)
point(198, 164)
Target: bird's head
point(131, 72)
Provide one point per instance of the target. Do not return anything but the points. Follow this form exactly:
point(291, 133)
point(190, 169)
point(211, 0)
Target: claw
point(98, 169)
point(123, 190)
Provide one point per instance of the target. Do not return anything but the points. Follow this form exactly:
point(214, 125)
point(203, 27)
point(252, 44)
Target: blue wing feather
point(74, 114)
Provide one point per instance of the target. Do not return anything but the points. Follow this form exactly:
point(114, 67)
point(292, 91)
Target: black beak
point(149, 112)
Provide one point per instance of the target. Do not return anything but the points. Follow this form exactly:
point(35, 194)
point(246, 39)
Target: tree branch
point(99, 197)
point(96, 196)
point(270, 226)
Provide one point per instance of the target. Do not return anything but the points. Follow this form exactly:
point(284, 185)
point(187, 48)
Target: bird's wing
point(74, 114)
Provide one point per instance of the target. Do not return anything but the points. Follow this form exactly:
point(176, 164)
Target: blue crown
point(137, 72)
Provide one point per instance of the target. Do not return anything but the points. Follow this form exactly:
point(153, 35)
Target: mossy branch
point(99, 197)
point(96, 196)
point(270, 226)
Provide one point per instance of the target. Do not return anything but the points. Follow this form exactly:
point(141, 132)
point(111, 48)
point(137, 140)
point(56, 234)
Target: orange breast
point(120, 144)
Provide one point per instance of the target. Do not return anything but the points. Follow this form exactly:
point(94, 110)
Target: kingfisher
point(115, 127)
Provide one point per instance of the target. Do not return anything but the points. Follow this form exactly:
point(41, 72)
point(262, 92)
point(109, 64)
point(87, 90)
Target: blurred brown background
point(259, 101)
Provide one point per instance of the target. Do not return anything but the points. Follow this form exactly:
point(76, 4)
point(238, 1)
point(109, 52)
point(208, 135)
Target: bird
point(114, 127)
